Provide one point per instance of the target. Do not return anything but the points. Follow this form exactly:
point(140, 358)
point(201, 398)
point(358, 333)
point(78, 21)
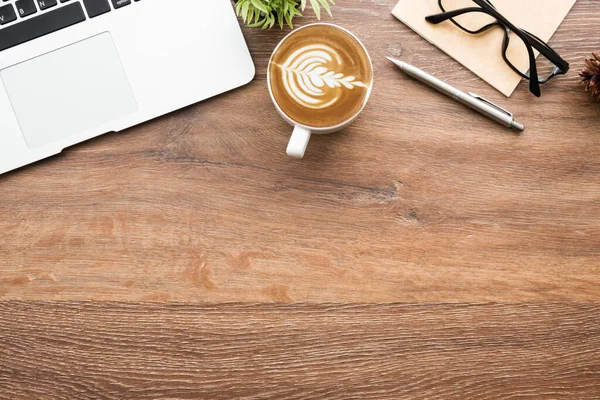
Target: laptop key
point(25, 7)
point(7, 14)
point(96, 7)
point(45, 4)
point(120, 3)
point(41, 25)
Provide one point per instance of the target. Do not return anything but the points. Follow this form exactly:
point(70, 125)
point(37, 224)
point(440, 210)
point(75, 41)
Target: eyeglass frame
point(531, 41)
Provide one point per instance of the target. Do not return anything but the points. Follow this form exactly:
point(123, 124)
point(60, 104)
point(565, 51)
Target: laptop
point(71, 70)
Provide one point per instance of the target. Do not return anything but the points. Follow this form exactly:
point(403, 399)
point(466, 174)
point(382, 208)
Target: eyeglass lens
point(473, 21)
point(516, 53)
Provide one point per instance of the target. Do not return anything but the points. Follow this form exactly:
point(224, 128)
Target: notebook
point(482, 53)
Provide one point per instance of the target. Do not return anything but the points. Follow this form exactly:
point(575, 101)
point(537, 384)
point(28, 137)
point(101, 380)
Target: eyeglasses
point(478, 16)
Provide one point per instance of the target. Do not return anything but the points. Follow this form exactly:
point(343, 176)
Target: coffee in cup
point(320, 78)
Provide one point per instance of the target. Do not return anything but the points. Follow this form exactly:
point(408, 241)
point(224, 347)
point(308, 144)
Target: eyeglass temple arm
point(534, 84)
point(439, 18)
point(547, 51)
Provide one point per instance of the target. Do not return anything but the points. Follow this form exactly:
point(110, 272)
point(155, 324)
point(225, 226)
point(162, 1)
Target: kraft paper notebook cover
point(482, 53)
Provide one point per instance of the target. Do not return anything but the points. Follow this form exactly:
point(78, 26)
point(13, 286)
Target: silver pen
point(471, 100)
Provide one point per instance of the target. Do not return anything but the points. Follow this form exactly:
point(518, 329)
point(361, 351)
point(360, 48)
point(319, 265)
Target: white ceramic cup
point(302, 133)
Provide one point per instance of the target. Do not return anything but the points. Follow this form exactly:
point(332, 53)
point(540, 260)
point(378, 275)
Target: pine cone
point(590, 76)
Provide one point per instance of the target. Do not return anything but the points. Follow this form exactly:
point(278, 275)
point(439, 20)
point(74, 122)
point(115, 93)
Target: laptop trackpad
point(68, 91)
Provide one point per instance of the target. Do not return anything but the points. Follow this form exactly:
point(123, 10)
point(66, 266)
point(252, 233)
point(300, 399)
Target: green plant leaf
point(245, 8)
point(316, 8)
point(259, 5)
point(325, 5)
point(266, 13)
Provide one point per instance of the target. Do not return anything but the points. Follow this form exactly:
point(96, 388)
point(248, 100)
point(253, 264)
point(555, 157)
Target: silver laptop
point(71, 70)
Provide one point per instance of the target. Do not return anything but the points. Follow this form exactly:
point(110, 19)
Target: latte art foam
point(320, 76)
point(308, 79)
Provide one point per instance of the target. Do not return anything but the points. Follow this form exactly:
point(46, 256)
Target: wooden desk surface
point(420, 202)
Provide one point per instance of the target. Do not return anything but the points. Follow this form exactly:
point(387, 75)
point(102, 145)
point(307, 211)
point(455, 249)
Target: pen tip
point(395, 62)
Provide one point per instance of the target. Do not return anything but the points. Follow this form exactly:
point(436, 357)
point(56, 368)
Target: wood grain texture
point(419, 201)
point(119, 351)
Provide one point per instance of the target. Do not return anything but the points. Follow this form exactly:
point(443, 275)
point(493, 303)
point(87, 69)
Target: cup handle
point(298, 142)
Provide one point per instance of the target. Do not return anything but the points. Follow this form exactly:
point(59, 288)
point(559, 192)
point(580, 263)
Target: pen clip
point(497, 107)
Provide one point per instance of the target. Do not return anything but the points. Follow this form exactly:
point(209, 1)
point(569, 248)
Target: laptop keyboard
point(25, 20)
